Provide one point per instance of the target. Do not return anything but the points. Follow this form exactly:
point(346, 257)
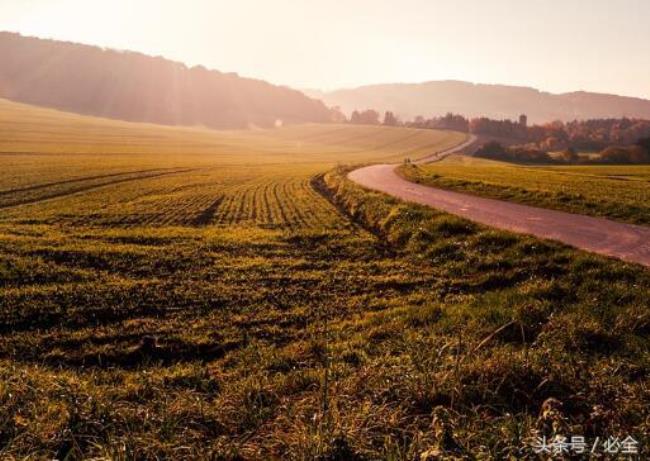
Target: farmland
point(192, 294)
point(619, 192)
point(167, 176)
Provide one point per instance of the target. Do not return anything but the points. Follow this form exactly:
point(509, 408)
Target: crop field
point(104, 172)
point(190, 294)
point(619, 192)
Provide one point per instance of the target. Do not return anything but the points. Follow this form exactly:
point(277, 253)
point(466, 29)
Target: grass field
point(620, 192)
point(188, 294)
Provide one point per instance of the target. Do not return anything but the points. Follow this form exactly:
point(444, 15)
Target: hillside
point(31, 130)
point(135, 87)
point(494, 101)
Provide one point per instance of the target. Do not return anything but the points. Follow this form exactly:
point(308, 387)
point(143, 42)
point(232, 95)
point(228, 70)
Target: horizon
point(391, 46)
point(332, 90)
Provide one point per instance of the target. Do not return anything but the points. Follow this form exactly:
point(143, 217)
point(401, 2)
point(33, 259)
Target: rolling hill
point(135, 87)
point(494, 101)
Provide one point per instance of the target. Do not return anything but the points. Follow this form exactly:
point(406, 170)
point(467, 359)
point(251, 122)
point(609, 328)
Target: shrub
point(631, 154)
point(492, 150)
point(495, 151)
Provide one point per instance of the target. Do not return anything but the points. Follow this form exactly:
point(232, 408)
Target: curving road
point(624, 241)
point(471, 139)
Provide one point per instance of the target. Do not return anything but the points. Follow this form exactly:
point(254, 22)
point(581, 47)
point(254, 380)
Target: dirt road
point(624, 241)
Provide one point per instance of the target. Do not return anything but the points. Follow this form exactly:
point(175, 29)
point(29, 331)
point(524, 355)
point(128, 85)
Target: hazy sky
point(554, 45)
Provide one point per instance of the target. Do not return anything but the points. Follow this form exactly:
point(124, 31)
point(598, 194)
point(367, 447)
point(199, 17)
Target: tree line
point(618, 140)
point(637, 153)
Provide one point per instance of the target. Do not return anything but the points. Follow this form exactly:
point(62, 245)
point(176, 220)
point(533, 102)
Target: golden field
point(170, 293)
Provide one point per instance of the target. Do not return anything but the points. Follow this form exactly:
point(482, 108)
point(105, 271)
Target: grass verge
point(524, 338)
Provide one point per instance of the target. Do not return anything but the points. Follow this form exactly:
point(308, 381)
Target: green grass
point(233, 296)
point(616, 192)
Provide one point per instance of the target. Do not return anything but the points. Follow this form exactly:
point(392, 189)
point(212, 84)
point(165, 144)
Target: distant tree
point(390, 119)
point(493, 150)
point(644, 143)
point(370, 117)
point(452, 122)
point(585, 135)
point(367, 117)
point(501, 128)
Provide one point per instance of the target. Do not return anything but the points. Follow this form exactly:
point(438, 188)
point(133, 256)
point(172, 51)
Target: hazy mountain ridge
point(135, 87)
point(494, 101)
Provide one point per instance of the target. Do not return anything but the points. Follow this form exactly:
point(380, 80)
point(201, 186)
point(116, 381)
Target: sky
point(552, 45)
